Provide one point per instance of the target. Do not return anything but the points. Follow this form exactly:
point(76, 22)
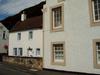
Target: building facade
point(4, 37)
point(72, 35)
point(25, 39)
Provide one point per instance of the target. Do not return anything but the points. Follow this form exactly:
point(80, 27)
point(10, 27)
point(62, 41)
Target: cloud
point(11, 7)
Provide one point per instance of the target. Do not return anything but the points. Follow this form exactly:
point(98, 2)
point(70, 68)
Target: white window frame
point(58, 61)
point(38, 52)
point(95, 54)
point(19, 51)
point(94, 12)
point(60, 27)
point(15, 52)
point(30, 34)
point(18, 36)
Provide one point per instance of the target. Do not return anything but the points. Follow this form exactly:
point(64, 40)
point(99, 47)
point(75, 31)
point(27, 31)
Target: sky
point(12, 7)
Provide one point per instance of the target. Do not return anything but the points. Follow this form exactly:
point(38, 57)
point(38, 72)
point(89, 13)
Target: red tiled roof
point(31, 23)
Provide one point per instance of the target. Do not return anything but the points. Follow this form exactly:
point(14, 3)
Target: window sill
point(97, 23)
point(57, 29)
point(58, 63)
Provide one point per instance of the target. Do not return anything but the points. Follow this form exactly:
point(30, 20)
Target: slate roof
point(31, 12)
point(31, 23)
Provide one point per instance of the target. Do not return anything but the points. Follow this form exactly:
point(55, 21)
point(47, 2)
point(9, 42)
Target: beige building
point(72, 35)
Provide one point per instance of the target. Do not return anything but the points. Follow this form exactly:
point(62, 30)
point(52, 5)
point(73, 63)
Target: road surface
point(7, 70)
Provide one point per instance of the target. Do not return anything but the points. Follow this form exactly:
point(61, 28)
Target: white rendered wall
point(78, 36)
point(3, 42)
point(25, 42)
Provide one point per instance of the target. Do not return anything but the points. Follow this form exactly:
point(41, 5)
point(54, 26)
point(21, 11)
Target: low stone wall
point(30, 62)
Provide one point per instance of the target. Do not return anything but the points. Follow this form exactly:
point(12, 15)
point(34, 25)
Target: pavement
point(42, 72)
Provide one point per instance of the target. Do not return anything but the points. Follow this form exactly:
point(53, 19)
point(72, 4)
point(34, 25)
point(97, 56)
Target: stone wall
point(30, 62)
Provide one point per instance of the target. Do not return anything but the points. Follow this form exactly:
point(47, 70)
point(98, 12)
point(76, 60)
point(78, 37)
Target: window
point(94, 6)
point(4, 35)
point(30, 35)
point(58, 53)
point(96, 10)
point(20, 52)
point(15, 51)
point(37, 51)
point(57, 18)
point(19, 36)
point(96, 44)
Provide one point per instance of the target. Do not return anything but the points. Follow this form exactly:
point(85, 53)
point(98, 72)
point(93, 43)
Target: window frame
point(30, 34)
point(18, 36)
point(19, 52)
point(38, 51)
point(60, 28)
point(91, 12)
point(52, 54)
point(15, 52)
point(95, 60)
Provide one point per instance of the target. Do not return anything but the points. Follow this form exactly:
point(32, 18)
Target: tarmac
point(42, 72)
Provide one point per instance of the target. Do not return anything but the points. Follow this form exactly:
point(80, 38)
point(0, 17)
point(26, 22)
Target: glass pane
point(96, 17)
point(98, 45)
point(30, 35)
point(20, 52)
point(98, 1)
point(95, 6)
point(96, 12)
point(98, 55)
point(58, 51)
point(15, 51)
point(57, 16)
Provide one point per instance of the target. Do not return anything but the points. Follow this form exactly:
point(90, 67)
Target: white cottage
point(72, 35)
point(4, 37)
point(25, 39)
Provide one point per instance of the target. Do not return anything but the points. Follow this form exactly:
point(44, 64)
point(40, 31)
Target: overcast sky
point(11, 7)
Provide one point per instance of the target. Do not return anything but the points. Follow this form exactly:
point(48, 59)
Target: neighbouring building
point(25, 39)
point(4, 39)
point(72, 35)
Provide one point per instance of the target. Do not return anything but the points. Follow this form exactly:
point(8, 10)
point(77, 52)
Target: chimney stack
point(23, 16)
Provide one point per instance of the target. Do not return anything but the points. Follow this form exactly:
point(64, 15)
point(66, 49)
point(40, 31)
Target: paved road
point(10, 69)
point(7, 70)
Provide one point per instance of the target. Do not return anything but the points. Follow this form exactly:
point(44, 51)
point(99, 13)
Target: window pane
point(38, 51)
point(20, 52)
point(96, 5)
point(57, 16)
point(98, 1)
point(98, 57)
point(19, 36)
point(15, 51)
point(98, 52)
point(58, 52)
point(30, 35)
point(98, 45)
